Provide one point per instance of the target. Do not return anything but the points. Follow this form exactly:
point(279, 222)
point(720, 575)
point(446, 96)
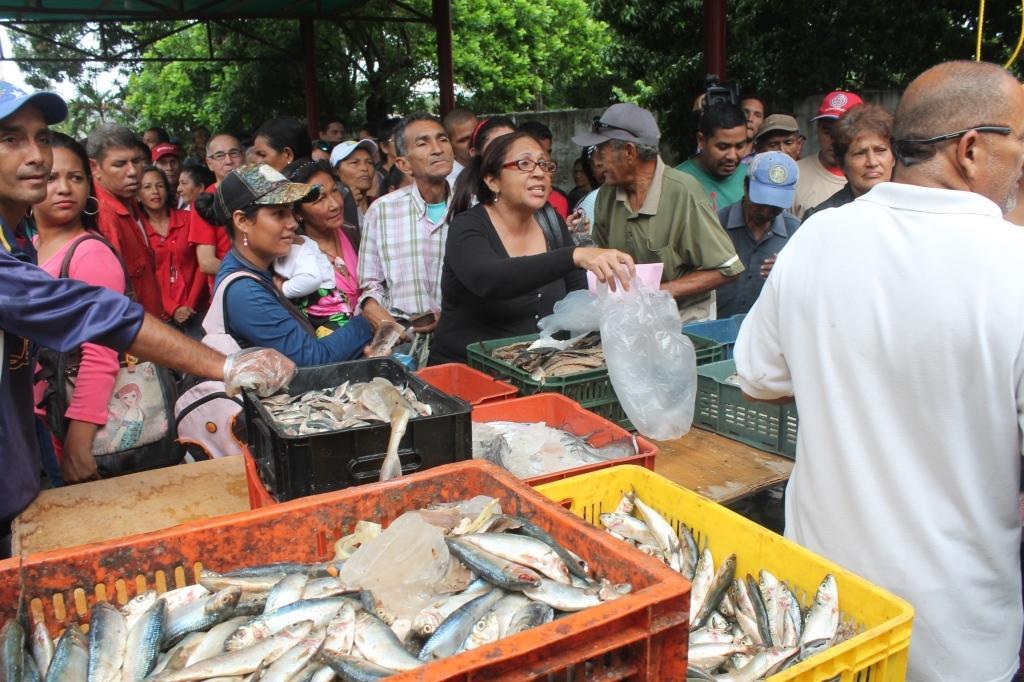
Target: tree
point(507, 55)
point(790, 50)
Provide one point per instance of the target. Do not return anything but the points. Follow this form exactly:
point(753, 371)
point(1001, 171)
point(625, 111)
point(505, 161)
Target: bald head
point(953, 101)
point(954, 96)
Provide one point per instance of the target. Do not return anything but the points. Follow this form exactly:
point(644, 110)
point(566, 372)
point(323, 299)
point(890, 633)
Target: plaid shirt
point(401, 254)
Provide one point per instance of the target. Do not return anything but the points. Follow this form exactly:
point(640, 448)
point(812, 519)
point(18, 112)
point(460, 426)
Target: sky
point(10, 72)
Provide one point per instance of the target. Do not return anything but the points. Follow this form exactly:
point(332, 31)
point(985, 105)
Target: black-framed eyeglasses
point(999, 130)
point(598, 125)
point(220, 156)
point(527, 165)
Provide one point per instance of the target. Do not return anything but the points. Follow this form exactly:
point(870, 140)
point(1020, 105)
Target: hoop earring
point(86, 210)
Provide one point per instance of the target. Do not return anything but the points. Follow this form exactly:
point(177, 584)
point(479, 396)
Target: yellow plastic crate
point(878, 654)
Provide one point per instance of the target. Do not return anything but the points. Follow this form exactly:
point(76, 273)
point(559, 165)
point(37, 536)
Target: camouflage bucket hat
point(261, 185)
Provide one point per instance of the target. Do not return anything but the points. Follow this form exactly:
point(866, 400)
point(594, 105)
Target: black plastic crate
point(297, 466)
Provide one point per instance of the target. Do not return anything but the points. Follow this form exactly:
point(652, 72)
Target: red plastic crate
point(462, 381)
point(563, 413)
point(258, 495)
point(642, 636)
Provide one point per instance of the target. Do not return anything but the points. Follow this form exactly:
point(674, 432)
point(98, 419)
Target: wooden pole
point(308, 38)
point(714, 38)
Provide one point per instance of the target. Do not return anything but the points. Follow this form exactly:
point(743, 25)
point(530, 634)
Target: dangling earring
point(245, 239)
point(86, 210)
point(497, 197)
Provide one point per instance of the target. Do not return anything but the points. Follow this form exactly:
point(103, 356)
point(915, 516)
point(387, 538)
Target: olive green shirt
point(676, 226)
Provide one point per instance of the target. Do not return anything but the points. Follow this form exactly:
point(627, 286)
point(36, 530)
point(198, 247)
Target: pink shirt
point(93, 263)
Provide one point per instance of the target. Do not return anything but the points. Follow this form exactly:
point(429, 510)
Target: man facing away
point(895, 321)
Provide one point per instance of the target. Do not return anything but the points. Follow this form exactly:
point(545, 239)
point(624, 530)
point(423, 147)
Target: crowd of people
point(451, 230)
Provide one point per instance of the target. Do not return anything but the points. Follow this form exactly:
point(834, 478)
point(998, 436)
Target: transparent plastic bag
point(577, 313)
point(651, 364)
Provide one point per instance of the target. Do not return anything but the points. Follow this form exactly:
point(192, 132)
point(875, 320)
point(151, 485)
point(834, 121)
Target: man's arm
point(166, 346)
point(696, 282)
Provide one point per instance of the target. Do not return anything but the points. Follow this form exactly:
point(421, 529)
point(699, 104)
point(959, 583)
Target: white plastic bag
point(651, 364)
point(577, 313)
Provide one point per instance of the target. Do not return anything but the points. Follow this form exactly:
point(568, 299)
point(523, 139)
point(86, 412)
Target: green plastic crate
point(592, 390)
point(720, 407)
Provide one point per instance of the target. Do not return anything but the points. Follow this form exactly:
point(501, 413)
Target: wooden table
point(137, 503)
point(719, 468)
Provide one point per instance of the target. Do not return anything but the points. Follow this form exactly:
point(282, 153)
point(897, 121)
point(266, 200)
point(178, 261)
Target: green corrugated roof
point(136, 10)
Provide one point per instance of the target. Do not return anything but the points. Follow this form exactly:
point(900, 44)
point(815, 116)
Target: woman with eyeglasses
point(503, 270)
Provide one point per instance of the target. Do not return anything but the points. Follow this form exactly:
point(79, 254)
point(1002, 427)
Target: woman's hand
point(77, 463)
point(606, 264)
point(182, 314)
point(278, 281)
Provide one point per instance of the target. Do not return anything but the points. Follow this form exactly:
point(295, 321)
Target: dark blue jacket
point(257, 317)
point(56, 313)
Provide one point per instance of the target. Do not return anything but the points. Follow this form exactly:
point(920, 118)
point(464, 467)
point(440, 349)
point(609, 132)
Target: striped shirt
point(401, 254)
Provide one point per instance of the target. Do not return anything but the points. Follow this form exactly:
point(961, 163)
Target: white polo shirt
point(897, 321)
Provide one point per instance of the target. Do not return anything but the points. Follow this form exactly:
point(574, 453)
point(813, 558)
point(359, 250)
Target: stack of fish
point(582, 355)
point(349, 406)
point(343, 407)
point(300, 622)
point(535, 449)
point(741, 629)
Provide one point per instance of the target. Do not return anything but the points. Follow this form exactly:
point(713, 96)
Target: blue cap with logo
point(12, 98)
point(773, 177)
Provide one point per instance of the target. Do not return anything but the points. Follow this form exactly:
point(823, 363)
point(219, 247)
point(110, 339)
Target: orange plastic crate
point(462, 381)
point(258, 495)
point(640, 637)
point(560, 412)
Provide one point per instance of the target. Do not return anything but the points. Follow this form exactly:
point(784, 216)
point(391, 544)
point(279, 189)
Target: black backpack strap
point(65, 264)
point(549, 223)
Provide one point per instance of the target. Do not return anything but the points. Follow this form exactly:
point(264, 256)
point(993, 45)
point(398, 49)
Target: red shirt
point(202, 232)
point(181, 281)
point(559, 202)
point(120, 227)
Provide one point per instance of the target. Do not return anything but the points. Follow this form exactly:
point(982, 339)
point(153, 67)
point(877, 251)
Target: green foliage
point(789, 50)
point(507, 56)
point(528, 55)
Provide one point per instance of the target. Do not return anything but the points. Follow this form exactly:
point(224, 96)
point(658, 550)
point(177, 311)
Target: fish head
point(426, 623)
point(243, 637)
point(228, 597)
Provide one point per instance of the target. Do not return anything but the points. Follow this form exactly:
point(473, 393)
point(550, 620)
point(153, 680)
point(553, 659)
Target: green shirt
point(722, 191)
point(675, 226)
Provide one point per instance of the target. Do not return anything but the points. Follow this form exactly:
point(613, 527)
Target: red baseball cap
point(837, 103)
point(165, 149)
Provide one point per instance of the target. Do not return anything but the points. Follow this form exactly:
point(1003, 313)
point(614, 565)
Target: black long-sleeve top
point(486, 294)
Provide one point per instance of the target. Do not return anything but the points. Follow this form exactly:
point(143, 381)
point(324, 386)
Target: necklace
point(335, 259)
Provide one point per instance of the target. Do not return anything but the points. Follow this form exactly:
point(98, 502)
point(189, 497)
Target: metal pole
point(308, 37)
point(714, 38)
point(442, 11)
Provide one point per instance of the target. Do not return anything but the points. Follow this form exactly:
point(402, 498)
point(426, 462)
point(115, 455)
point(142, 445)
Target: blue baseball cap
point(52, 105)
point(773, 177)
